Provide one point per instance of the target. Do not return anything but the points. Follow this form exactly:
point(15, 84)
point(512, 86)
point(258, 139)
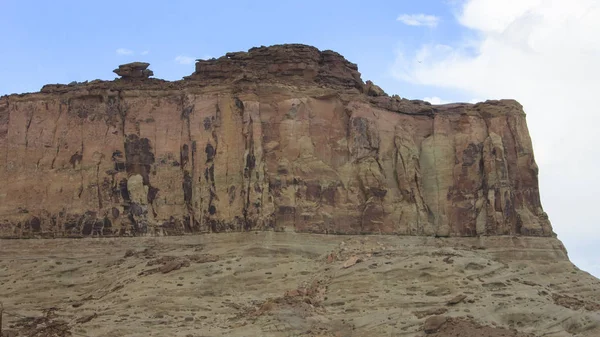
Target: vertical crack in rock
point(248, 174)
point(98, 185)
point(437, 178)
point(408, 182)
point(76, 159)
point(210, 151)
point(249, 161)
point(509, 210)
point(28, 125)
point(56, 140)
point(122, 110)
point(187, 110)
point(482, 225)
point(366, 144)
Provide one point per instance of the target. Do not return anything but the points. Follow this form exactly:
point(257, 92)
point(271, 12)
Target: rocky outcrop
point(276, 138)
point(290, 64)
point(134, 70)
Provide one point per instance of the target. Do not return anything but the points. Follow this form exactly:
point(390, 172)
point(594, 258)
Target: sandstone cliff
point(277, 138)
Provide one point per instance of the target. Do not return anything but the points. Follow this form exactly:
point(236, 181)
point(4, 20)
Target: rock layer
point(277, 138)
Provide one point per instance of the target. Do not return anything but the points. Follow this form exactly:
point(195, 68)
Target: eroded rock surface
point(277, 138)
point(134, 70)
point(287, 284)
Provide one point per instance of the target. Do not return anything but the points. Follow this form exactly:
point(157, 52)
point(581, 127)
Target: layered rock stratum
point(284, 138)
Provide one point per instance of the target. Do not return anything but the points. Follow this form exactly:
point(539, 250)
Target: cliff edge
point(285, 138)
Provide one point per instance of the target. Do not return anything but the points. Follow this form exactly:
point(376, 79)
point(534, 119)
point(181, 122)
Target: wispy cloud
point(419, 20)
point(124, 51)
point(436, 100)
point(182, 59)
point(145, 52)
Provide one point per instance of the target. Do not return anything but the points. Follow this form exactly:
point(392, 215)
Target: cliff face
point(283, 138)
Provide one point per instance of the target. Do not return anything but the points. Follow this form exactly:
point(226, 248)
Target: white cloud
point(124, 51)
point(181, 59)
point(545, 54)
point(436, 100)
point(145, 52)
point(419, 20)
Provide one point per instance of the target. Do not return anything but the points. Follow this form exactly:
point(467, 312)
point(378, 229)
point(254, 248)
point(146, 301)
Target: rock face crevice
point(277, 138)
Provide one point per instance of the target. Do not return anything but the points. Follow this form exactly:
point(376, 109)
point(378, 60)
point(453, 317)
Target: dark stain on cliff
point(231, 193)
point(35, 224)
point(124, 190)
point(239, 104)
point(210, 152)
point(286, 210)
point(190, 224)
point(152, 193)
point(87, 228)
point(377, 192)
point(71, 223)
point(250, 161)
point(187, 111)
point(194, 148)
point(88, 222)
point(207, 123)
point(138, 156)
point(112, 110)
point(117, 158)
point(212, 209)
point(209, 174)
point(184, 155)
point(136, 209)
point(187, 187)
point(471, 153)
point(328, 195)
point(275, 185)
point(313, 190)
point(106, 226)
point(75, 159)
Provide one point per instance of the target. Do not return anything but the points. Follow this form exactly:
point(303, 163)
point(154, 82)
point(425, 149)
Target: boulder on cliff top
point(134, 70)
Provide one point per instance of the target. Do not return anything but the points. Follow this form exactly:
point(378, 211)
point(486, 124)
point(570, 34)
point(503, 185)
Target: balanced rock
point(134, 70)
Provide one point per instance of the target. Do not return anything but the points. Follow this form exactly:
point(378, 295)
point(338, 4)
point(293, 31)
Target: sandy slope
point(284, 284)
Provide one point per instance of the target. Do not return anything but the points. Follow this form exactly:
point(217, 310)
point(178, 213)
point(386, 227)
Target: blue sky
point(64, 41)
point(543, 53)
